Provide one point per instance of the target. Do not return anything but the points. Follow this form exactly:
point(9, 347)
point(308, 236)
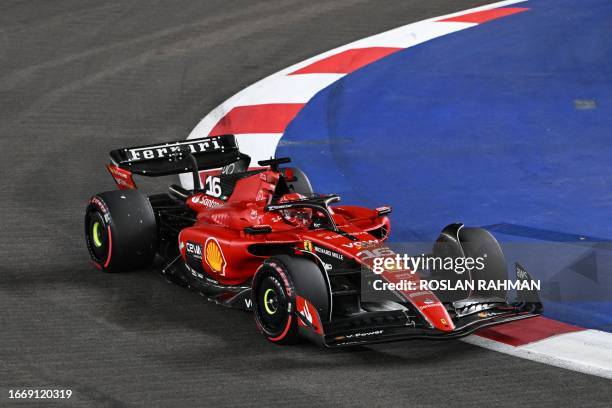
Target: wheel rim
point(270, 301)
point(96, 234)
point(97, 237)
point(272, 305)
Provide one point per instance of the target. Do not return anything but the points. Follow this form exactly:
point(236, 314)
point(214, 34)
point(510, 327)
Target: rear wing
point(177, 157)
point(174, 157)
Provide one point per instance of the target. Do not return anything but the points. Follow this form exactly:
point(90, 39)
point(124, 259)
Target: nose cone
point(438, 316)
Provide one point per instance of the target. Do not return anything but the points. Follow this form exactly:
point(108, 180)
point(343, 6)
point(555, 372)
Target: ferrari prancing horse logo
point(308, 246)
point(214, 256)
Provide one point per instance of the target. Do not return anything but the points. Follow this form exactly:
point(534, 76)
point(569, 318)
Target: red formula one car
point(261, 240)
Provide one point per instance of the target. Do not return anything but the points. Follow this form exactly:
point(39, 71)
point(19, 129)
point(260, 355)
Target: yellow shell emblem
point(214, 256)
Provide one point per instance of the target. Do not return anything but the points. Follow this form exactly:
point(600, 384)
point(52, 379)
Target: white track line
point(281, 87)
point(587, 351)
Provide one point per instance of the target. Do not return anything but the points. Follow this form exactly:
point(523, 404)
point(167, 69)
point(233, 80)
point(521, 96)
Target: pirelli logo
point(165, 150)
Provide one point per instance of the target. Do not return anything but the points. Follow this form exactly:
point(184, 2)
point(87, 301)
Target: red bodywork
point(230, 256)
point(123, 178)
point(240, 220)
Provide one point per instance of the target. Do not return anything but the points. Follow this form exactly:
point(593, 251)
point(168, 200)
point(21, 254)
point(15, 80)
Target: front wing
point(387, 326)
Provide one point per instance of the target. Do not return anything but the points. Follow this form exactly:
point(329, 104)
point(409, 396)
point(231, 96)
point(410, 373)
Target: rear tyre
point(301, 184)
point(274, 303)
point(120, 230)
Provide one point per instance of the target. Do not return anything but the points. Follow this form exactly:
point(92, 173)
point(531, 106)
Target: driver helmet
point(298, 217)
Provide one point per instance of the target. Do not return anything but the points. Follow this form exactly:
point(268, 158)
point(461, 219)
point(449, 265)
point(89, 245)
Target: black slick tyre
point(274, 303)
point(120, 230)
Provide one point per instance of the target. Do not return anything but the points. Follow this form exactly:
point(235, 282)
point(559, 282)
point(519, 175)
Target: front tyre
point(273, 303)
point(120, 230)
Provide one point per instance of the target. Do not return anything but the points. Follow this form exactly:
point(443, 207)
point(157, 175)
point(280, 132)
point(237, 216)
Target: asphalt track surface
point(79, 78)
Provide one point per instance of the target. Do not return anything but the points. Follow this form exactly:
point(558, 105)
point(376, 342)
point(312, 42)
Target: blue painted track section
point(507, 124)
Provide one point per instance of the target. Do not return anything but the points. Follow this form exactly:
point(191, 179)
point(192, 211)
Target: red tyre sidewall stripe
point(284, 333)
point(289, 293)
point(110, 247)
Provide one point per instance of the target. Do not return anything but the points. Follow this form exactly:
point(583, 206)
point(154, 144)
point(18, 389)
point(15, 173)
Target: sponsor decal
point(328, 252)
point(308, 246)
point(195, 273)
point(115, 171)
point(214, 256)
point(443, 321)
point(417, 294)
point(122, 177)
point(193, 249)
point(248, 303)
point(100, 204)
point(261, 195)
point(362, 244)
point(364, 334)
point(211, 281)
point(327, 235)
point(375, 253)
point(163, 151)
point(521, 273)
point(229, 169)
point(279, 207)
point(288, 286)
point(205, 201)
point(431, 305)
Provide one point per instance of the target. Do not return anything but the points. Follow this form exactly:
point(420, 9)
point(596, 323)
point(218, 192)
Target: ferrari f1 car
point(258, 238)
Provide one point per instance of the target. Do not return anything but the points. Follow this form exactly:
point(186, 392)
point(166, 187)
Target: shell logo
point(214, 256)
